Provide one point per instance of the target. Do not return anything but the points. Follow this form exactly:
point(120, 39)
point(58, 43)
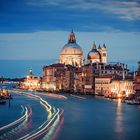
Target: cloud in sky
point(83, 15)
point(127, 10)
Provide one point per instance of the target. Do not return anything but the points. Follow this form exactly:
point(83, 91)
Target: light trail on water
point(14, 127)
point(47, 128)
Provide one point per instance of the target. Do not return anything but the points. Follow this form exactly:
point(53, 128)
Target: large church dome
point(71, 49)
point(71, 53)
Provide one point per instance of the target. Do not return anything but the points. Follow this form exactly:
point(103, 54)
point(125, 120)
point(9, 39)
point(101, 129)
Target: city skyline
point(32, 30)
point(70, 70)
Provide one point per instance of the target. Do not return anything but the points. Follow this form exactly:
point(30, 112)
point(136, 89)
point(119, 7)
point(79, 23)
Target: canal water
point(98, 118)
point(15, 111)
point(84, 119)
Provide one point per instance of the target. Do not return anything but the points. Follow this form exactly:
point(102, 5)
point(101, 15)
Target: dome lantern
point(72, 38)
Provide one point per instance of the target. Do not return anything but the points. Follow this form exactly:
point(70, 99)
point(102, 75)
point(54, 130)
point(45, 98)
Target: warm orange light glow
point(119, 95)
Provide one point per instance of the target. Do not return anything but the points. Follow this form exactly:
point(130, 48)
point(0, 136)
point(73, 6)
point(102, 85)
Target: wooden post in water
point(9, 100)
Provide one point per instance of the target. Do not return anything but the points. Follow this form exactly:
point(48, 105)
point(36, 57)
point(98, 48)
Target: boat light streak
point(25, 116)
point(49, 126)
point(38, 133)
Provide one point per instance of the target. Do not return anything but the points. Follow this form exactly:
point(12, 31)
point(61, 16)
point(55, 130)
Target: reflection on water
point(93, 118)
point(119, 117)
point(55, 136)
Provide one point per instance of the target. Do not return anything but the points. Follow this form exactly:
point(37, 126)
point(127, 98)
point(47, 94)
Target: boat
point(9, 96)
point(2, 100)
point(133, 102)
point(5, 93)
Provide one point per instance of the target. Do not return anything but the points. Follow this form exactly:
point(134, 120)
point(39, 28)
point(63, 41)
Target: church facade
point(72, 53)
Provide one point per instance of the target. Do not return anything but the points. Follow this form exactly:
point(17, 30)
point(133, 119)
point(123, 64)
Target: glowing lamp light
point(119, 95)
point(127, 94)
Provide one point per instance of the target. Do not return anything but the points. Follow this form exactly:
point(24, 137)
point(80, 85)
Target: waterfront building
point(88, 79)
point(69, 78)
point(119, 69)
point(84, 80)
point(102, 85)
point(122, 88)
point(58, 77)
point(31, 82)
point(52, 77)
point(71, 53)
point(114, 86)
point(137, 81)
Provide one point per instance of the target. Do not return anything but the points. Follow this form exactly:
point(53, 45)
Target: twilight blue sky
point(38, 29)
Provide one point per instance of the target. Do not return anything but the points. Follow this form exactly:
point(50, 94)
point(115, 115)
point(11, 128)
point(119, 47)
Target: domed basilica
point(72, 53)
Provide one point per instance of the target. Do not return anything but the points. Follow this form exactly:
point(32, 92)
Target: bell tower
point(103, 52)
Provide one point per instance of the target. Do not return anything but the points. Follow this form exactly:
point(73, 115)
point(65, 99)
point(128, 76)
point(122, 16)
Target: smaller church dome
point(94, 53)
